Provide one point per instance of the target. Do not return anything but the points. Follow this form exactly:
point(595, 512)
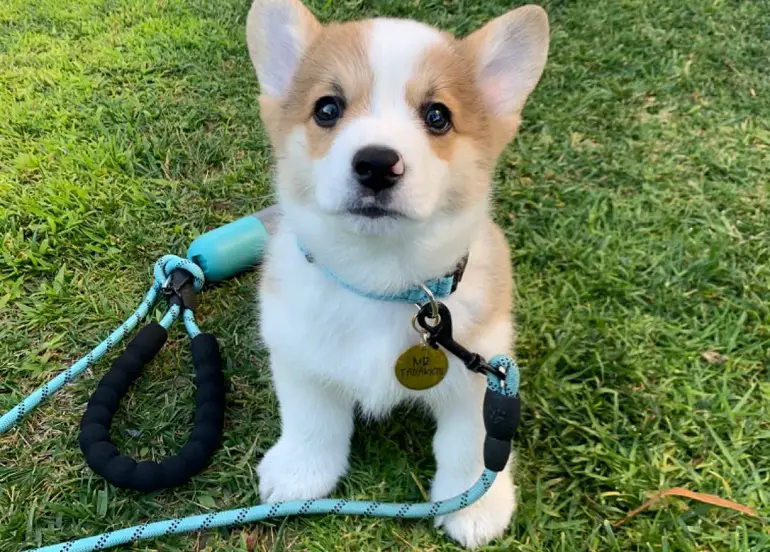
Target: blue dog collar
point(441, 287)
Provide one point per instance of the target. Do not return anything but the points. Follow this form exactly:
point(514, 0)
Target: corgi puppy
point(386, 133)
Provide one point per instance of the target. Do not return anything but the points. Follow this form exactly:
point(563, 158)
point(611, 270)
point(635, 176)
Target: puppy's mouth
point(373, 211)
point(371, 208)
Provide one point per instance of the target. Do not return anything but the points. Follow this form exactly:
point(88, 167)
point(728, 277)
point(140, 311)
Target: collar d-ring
point(433, 304)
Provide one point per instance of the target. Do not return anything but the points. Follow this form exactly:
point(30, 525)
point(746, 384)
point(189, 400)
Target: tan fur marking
point(489, 268)
point(268, 284)
point(442, 76)
point(270, 113)
point(500, 276)
point(445, 74)
point(337, 58)
point(268, 281)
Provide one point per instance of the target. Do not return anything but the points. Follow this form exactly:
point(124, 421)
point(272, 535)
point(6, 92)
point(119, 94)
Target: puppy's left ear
point(278, 32)
point(510, 54)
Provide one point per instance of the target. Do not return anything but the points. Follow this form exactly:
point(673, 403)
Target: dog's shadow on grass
point(391, 458)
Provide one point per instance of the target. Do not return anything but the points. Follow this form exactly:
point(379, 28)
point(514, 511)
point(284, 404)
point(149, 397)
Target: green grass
point(636, 200)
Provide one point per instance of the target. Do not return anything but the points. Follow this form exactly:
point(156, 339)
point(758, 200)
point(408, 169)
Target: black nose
point(377, 167)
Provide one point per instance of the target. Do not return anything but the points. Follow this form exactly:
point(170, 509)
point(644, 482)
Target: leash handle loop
point(122, 471)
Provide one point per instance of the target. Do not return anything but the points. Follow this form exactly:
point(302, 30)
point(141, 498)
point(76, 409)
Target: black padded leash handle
point(122, 471)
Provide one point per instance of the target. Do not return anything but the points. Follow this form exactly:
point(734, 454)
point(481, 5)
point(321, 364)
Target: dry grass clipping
point(701, 497)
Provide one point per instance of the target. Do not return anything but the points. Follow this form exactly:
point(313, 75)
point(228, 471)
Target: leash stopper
point(179, 289)
point(501, 418)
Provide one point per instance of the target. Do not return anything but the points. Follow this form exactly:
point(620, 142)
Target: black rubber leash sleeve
point(501, 419)
point(122, 471)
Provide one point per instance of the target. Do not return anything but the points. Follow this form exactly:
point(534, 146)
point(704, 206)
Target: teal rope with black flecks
point(163, 268)
point(508, 387)
point(277, 509)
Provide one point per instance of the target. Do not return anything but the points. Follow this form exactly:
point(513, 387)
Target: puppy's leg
point(312, 452)
point(458, 447)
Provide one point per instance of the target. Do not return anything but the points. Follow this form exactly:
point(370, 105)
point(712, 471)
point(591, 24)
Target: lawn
point(636, 200)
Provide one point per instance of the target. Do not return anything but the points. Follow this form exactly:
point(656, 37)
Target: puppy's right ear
point(277, 33)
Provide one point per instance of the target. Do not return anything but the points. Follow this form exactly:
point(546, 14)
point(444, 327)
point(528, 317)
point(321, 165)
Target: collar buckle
point(458, 273)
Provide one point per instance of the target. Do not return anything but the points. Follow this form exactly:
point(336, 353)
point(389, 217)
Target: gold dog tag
point(421, 367)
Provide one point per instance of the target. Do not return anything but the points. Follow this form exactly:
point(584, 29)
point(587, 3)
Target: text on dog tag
point(421, 367)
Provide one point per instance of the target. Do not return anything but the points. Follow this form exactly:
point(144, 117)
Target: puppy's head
point(384, 124)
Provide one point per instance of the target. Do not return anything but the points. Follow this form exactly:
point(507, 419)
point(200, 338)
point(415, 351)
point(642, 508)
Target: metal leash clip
point(439, 331)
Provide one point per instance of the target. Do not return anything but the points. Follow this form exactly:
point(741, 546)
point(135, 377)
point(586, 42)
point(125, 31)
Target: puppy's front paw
point(484, 520)
point(297, 472)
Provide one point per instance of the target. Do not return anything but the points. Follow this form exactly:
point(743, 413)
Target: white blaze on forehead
point(395, 47)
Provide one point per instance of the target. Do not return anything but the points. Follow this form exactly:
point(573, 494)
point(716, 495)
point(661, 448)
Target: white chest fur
point(345, 340)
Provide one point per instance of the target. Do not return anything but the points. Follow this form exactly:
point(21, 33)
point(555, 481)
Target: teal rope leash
point(277, 510)
point(496, 389)
point(162, 270)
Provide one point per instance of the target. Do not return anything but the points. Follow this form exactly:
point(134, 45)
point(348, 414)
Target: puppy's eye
point(438, 118)
point(327, 111)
